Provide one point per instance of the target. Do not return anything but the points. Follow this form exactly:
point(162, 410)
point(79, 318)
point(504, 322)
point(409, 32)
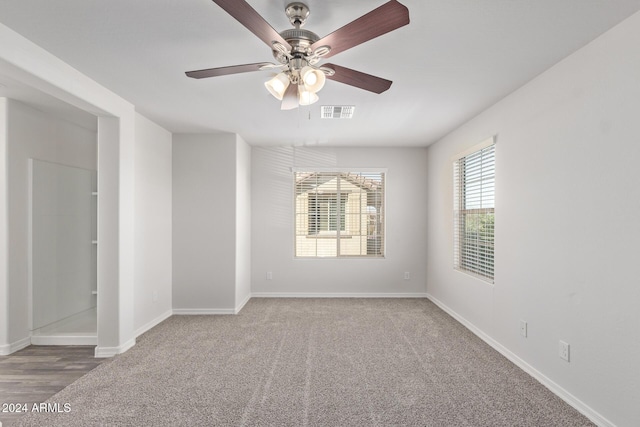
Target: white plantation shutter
point(474, 212)
point(339, 214)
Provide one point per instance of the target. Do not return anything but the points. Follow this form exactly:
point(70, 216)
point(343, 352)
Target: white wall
point(116, 240)
point(62, 226)
point(567, 198)
point(273, 228)
point(204, 218)
point(34, 134)
point(153, 270)
point(5, 347)
point(243, 223)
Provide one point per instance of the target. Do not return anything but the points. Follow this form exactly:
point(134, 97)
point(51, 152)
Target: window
point(474, 211)
point(323, 212)
point(339, 214)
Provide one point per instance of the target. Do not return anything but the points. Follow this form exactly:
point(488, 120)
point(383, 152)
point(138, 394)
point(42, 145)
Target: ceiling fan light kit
point(312, 78)
point(298, 50)
point(278, 85)
point(306, 97)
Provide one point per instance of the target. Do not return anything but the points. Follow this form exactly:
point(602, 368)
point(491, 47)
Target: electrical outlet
point(407, 275)
point(523, 328)
point(269, 275)
point(564, 350)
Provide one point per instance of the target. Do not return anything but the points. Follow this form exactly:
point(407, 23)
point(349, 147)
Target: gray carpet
point(311, 362)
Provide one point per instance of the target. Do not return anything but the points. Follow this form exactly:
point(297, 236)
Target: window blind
point(474, 213)
point(339, 214)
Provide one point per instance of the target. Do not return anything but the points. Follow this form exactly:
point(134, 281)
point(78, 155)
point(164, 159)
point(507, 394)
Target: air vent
point(337, 111)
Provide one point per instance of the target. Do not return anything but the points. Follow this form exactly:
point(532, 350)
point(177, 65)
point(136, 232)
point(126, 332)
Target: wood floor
point(34, 374)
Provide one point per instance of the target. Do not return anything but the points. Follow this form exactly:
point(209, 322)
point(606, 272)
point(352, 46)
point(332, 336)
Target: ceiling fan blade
point(247, 16)
point(290, 98)
point(388, 17)
point(223, 71)
point(358, 79)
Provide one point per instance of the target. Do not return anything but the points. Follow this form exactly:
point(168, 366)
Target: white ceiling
point(454, 59)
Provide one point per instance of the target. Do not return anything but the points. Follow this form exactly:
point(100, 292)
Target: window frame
point(471, 254)
point(342, 235)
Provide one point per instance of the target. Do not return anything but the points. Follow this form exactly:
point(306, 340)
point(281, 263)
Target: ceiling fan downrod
point(297, 13)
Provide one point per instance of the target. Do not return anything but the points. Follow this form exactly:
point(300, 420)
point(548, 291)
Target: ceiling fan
point(298, 51)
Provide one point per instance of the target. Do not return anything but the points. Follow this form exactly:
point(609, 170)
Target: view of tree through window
point(474, 213)
point(339, 214)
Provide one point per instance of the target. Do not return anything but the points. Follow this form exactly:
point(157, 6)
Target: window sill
point(320, 236)
point(475, 275)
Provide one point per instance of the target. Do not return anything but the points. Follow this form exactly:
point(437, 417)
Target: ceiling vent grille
point(337, 111)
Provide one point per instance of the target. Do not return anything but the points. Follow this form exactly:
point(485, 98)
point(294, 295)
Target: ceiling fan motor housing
point(300, 40)
point(301, 54)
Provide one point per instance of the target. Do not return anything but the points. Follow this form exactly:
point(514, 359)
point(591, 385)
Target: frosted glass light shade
point(278, 85)
point(306, 97)
point(312, 78)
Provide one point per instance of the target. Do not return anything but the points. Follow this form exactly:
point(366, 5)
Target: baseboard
point(563, 394)
point(68, 339)
point(8, 349)
point(242, 304)
point(144, 328)
point(209, 311)
point(202, 311)
point(336, 295)
point(112, 351)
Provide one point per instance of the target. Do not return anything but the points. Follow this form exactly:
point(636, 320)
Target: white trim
point(242, 304)
point(211, 311)
point(64, 339)
point(112, 351)
point(202, 311)
point(484, 144)
point(30, 244)
point(563, 394)
point(144, 328)
point(7, 349)
point(335, 295)
point(4, 230)
point(476, 276)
